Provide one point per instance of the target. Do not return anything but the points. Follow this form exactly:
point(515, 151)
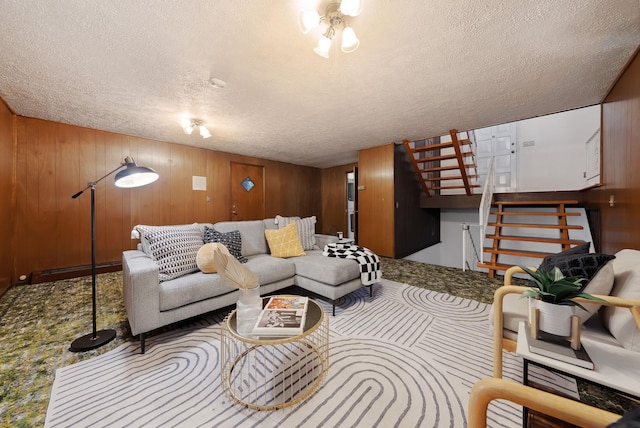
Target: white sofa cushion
point(189, 289)
point(619, 321)
point(328, 270)
point(252, 233)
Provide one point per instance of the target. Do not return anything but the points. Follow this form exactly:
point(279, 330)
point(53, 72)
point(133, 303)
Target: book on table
point(282, 316)
point(559, 348)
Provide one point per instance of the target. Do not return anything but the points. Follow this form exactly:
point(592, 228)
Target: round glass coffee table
point(268, 373)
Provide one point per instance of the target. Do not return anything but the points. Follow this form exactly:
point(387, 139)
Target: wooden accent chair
point(573, 412)
point(509, 345)
point(486, 390)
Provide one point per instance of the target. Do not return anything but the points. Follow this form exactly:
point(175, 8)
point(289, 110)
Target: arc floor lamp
point(132, 176)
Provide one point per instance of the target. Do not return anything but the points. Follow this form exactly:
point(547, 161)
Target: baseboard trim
point(38, 277)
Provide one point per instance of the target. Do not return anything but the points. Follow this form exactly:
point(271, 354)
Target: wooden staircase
point(429, 163)
point(505, 211)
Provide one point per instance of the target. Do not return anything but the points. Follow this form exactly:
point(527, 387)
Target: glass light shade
point(349, 40)
point(135, 176)
point(324, 44)
point(351, 7)
point(187, 126)
point(204, 132)
point(309, 19)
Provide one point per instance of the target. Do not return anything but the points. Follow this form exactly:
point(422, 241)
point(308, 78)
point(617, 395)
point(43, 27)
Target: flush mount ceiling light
point(334, 17)
point(188, 125)
point(217, 83)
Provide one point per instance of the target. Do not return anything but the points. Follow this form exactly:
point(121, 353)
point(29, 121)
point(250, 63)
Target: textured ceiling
point(423, 66)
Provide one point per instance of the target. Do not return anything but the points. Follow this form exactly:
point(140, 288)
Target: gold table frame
point(269, 373)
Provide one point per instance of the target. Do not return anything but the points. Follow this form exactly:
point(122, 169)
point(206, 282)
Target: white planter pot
point(553, 319)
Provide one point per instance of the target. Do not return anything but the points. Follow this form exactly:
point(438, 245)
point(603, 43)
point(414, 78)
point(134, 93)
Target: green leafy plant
point(554, 287)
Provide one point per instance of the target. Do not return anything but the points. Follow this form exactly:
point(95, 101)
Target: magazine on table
point(560, 349)
point(282, 316)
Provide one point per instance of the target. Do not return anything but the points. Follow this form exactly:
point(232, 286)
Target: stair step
point(497, 266)
point(520, 253)
point(445, 168)
point(536, 239)
point(449, 177)
point(439, 146)
point(461, 186)
point(569, 202)
point(442, 157)
point(536, 213)
point(537, 226)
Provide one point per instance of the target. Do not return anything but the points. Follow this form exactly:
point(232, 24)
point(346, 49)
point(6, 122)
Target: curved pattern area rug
point(407, 357)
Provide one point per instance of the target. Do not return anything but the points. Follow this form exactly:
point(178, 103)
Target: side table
point(268, 373)
point(608, 372)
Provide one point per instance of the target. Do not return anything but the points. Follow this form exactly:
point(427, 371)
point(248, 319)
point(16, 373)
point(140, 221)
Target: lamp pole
point(99, 338)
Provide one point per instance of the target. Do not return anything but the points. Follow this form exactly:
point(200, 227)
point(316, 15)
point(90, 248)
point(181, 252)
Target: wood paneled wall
point(334, 198)
point(7, 194)
point(56, 160)
point(620, 227)
point(376, 199)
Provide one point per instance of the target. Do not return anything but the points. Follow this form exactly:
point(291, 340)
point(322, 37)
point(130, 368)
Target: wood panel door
point(376, 199)
point(247, 192)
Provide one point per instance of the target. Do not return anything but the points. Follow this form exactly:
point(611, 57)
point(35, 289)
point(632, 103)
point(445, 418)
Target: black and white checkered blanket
point(369, 261)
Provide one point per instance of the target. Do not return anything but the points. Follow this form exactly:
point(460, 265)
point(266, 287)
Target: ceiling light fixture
point(217, 83)
point(188, 125)
point(334, 17)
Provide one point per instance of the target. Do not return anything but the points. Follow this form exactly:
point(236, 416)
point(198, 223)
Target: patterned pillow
point(306, 229)
point(582, 265)
point(550, 261)
point(284, 242)
point(174, 248)
point(232, 240)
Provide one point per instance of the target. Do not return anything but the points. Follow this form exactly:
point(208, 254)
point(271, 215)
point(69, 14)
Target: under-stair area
point(444, 166)
point(528, 229)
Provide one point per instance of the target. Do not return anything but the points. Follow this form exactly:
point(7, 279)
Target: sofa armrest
point(140, 281)
point(322, 240)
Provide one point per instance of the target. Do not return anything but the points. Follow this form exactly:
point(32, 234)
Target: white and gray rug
point(405, 358)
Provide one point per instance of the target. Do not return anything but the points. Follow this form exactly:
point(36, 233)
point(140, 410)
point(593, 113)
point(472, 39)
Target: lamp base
point(88, 342)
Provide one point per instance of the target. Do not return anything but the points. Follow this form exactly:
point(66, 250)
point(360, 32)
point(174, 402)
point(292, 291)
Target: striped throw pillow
point(306, 229)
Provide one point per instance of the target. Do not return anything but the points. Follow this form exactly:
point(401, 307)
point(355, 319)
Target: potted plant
point(553, 298)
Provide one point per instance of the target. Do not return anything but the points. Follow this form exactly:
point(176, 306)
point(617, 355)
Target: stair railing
point(485, 204)
point(470, 253)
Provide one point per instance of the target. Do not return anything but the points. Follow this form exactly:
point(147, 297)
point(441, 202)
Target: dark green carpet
point(39, 322)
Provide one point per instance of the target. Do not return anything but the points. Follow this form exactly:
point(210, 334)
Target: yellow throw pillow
point(204, 257)
point(285, 242)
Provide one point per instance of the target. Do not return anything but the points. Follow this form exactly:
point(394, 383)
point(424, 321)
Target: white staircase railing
point(485, 204)
point(472, 249)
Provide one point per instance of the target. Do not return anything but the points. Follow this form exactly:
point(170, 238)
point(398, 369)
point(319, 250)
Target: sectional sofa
point(152, 302)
